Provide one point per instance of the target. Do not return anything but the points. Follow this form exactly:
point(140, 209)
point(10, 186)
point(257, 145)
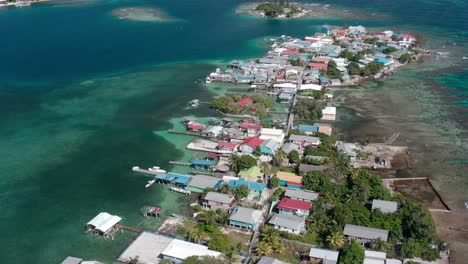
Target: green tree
point(336, 240)
point(219, 242)
point(342, 214)
point(374, 67)
point(389, 50)
point(208, 217)
point(353, 68)
point(263, 249)
point(241, 192)
point(196, 235)
point(257, 151)
point(361, 215)
point(352, 253)
point(411, 248)
point(274, 182)
point(280, 157)
point(417, 221)
point(318, 181)
point(380, 245)
point(405, 58)
point(203, 260)
point(247, 162)
point(294, 157)
point(234, 162)
point(224, 188)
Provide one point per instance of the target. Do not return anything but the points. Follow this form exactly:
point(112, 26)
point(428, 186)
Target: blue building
point(245, 218)
point(203, 164)
point(256, 189)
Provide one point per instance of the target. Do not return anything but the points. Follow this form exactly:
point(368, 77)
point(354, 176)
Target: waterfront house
point(308, 129)
point(347, 149)
point(384, 206)
point(324, 128)
point(270, 260)
point(232, 133)
point(251, 174)
point(289, 223)
point(271, 133)
point(304, 141)
point(323, 256)
point(364, 235)
point(289, 147)
point(215, 200)
point(226, 146)
point(257, 190)
point(377, 257)
point(285, 98)
point(203, 164)
point(147, 247)
point(174, 178)
point(178, 250)
point(249, 145)
point(285, 88)
point(329, 113)
point(195, 127)
point(311, 87)
point(294, 207)
point(289, 179)
point(212, 131)
point(199, 183)
point(245, 218)
point(103, 223)
point(301, 195)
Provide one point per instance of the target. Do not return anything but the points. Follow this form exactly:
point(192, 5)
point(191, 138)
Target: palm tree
point(336, 239)
point(196, 235)
point(224, 188)
point(352, 175)
point(379, 245)
point(209, 217)
point(234, 161)
point(280, 157)
point(266, 168)
point(263, 249)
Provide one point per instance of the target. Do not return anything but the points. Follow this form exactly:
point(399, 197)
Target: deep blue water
point(66, 146)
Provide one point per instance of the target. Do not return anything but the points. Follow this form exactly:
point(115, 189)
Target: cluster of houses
point(316, 52)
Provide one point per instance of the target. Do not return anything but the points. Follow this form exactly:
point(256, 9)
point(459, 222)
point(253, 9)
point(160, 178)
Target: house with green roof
point(252, 174)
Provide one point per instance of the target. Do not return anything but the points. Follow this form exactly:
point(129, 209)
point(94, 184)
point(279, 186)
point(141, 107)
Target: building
point(174, 178)
point(250, 144)
point(289, 147)
point(289, 223)
point(384, 206)
point(256, 190)
point(301, 195)
point(308, 129)
point(245, 101)
point(294, 207)
point(304, 141)
point(323, 256)
point(147, 247)
point(269, 147)
point(252, 174)
point(364, 235)
point(289, 179)
point(245, 218)
point(212, 131)
point(214, 201)
point(178, 250)
point(250, 129)
point(324, 129)
point(329, 113)
point(226, 146)
point(270, 260)
point(69, 260)
point(103, 223)
point(377, 257)
point(199, 183)
point(203, 164)
point(347, 149)
point(271, 133)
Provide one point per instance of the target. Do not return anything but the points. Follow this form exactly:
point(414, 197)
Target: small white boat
point(208, 79)
point(157, 169)
point(194, 103)
point(179, 190)
point(465, 58)
point(150, 183)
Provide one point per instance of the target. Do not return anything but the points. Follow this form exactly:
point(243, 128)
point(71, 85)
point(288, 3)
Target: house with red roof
point(318, 66)
point(195, 127)
point(250, 144)
point(294, 207)
point(250, 129)
point(245, 101)
point(290, 52)
point(224, 145)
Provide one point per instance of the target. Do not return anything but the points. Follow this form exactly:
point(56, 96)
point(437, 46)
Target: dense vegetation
point(227, 104)
point(274, 9)
point(309, 109)
point(405, 58)
point(411, 228)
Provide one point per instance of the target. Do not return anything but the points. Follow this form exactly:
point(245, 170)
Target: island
point(277, 9)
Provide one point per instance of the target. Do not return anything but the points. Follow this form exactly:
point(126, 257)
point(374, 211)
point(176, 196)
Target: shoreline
point(29, 1)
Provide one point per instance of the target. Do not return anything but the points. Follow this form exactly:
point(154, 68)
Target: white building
point(103, 222)
point(377, 257)
point(329, 113)
point(271, 133)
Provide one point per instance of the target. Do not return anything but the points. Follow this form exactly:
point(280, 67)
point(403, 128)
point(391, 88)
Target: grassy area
point(239, 238)
point(293, 251)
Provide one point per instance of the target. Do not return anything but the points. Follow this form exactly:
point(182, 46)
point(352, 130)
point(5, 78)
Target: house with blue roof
point(307, 129)
point(257, 190)
point(383, 61)
point(203, 164)
point(174, 178)
point(269, 147)
point(324, 81)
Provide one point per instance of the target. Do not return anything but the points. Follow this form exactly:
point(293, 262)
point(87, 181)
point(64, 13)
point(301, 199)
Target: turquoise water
point(85, 96)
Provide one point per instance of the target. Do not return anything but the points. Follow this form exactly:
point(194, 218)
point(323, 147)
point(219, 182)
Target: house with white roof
point(384, 206)
point(271, 133)
point(329, 113)
point(178, 250)
point(323, 256)
point(377, 257)
point(289, 223)
point(103, 223)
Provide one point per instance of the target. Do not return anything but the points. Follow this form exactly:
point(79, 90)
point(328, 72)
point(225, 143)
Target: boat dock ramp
point(180, 163)
point(187, 133)
point(151, 211)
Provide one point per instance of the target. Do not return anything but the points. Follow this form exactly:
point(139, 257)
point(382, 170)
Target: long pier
point(128, 228)
point(143, 171)
point(187, 133)
point(180, 163)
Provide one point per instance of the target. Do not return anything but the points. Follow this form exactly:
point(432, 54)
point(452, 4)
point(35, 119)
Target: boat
point(157, 169)
point(150, 183)
point(179, 190)
point(23, 3)
point(208, 79)
point(465, 58)
point(194, 103)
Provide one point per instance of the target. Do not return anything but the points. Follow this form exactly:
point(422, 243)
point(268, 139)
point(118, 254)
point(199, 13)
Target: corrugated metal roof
point(384, 206)
point(365, 232)
point(246, 215)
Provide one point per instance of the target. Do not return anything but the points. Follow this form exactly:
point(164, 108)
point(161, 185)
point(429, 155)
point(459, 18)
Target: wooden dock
point(128, 228)
point(187, 133)
point(180, 163)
